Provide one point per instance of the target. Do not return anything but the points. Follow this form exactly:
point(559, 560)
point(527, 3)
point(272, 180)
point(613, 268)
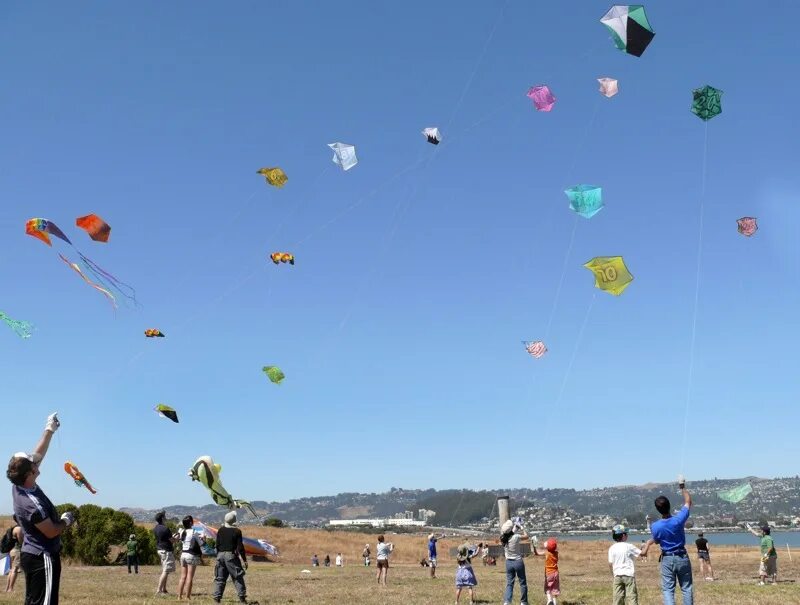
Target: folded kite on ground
point(97, 228)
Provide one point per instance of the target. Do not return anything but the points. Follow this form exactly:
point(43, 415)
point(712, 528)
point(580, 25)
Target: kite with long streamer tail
point(104, 282)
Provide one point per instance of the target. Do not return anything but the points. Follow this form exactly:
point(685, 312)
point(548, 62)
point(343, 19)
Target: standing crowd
point(33, 545)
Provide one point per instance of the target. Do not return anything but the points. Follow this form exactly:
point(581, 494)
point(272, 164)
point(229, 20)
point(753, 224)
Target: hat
point(230, 518)
point(551, 545)
point(463, 553)
point(618, 530)
point(132, 537)
point(507, 527)
point(35, 458)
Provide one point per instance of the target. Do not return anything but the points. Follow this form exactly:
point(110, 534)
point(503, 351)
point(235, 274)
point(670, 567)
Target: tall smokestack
point(502, 509)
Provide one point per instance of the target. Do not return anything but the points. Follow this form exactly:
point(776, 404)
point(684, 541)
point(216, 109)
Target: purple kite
point(542, 98)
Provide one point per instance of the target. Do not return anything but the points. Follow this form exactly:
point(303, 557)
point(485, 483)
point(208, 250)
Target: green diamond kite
point(707, 102)
point(629, 28)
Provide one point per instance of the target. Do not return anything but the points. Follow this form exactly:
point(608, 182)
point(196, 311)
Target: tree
point(97, 529)
point(273, 522)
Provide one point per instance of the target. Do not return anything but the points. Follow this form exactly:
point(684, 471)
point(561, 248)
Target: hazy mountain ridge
point(779, 497)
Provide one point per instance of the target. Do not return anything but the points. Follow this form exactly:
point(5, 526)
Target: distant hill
point(770, 498)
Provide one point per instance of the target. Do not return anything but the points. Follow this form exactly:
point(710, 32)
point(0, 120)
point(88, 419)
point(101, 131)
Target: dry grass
point(584, 577)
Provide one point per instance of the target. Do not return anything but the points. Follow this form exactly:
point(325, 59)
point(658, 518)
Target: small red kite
point(97, 228)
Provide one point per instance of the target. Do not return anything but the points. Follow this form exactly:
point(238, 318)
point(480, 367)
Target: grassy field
point(585, 578)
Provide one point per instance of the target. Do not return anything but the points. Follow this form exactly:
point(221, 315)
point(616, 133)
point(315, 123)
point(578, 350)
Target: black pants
point(133, 560)
point(42, 578)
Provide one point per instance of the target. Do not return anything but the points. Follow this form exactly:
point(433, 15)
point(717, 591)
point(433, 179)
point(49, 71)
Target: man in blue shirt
point(41, 547)
point(432, 553)
point(668, 533)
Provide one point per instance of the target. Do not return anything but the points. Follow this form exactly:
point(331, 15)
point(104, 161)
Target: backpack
point(8, 541)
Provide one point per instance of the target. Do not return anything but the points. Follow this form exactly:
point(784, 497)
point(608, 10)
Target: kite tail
point(108, 280)
point(77, 270)
point(248, 506)
point(21, 328)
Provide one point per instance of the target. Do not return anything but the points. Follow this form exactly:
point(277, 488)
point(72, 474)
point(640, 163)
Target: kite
point(257, 548)
point(42, 229)
point(80, 480)
point(542, 98)
point(586, 200)
point(610, 273)
point(535, 348)
point(274, 176)
point(747, 225)
point(207, 472)
point(282, 257)
point(736, 494)
point(97, 228)
point(433, 135)
point(274, 373)
point(344, 155)
point(706, 102)
point(608, 86)
point(630, 29)
point(167, 412)
point(21, 328)
point(153, 333)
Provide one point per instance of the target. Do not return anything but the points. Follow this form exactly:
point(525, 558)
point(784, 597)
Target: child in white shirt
point(620, 560)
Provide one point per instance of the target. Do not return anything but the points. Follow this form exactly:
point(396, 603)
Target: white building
point(376, 522)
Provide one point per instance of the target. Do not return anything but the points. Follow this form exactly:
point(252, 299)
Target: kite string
point(574, 355)
point(696, 301)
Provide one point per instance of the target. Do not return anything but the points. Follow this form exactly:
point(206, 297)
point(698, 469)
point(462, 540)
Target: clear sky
point(419, 271)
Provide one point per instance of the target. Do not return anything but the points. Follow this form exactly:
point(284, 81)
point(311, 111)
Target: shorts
point(552, 584)
point(703, 555)
point(189, 560)
point(167, 561)
point(432, 561)
point(13, 560)
point(768, 567)
point(383, 563)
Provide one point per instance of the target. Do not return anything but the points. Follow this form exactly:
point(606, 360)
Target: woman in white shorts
point(191, 556)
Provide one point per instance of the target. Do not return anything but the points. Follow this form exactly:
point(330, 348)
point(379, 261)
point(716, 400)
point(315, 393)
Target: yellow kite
point(610, 273)
point(275, 176)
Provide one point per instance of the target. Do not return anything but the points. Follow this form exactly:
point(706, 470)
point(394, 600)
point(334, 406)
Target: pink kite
point(608, 87)
point(747, 225)
point(542, 98)
point(536, 349)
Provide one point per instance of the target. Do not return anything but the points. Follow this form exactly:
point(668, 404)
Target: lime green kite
point(206, 471)
point(736, 494)
point(274, 373)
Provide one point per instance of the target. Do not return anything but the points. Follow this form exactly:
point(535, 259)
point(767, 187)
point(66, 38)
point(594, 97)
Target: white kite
point(433, 135)
point(608, 86)
point(344, 155)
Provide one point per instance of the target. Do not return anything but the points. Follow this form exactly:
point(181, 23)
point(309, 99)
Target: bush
point(97, 529)
point(273, 522)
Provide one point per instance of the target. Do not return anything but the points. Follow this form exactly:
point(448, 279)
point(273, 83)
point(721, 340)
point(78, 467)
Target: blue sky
point(419, 271)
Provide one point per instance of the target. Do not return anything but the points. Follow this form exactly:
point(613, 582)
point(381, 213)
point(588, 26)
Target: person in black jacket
point(231, 560)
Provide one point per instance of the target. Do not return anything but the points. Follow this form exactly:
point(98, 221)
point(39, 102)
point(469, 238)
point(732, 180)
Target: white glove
point(52, 423)
point(68, 518)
